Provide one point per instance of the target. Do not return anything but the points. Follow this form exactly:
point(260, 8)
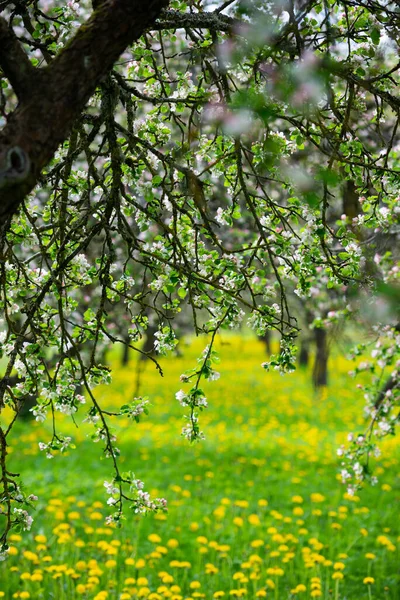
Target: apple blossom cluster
point(382, 395)
point(165, 340)
point(285, 361)
point(195, 398)
point(22, 519)
point(140, 501)
point(136, 408)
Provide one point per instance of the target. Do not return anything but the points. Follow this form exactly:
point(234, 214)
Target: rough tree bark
point(51, 98)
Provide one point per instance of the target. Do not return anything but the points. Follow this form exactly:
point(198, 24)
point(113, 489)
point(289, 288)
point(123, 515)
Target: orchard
point(195, 169)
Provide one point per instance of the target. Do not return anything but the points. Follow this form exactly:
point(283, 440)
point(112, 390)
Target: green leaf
point(375, 36)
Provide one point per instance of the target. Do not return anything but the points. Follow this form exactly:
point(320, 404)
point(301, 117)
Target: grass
point(256, 510)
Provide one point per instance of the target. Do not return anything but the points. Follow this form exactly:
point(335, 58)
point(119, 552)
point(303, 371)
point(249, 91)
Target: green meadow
point(256, 510)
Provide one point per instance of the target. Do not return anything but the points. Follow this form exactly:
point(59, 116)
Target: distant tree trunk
point(304, 353)
point(320, 370)
point(24, 410)
point(266, 338)
point(125, 354)
point(148, 346)
point(350, 201)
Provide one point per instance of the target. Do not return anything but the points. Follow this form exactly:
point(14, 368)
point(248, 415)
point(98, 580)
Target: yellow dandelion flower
point(30, 556)
point(242, 503)
point(95, 516)
point(195, 585)
point(110, 564)
point(140, 563)
point(254, 520)
point(316, 585)
point(238, 593)
point(297, 499)
point(316, 497)
point(219, 512)
point(211, 569)
point(154, 538)
point(40, 539)
point(368, 580)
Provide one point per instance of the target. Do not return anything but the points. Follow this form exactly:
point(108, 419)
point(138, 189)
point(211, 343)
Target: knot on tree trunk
point(14, 166)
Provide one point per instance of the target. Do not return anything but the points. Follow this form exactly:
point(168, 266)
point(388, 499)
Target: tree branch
point(15, 63)
point(173, 19)
point(344, 71)
point(44, 118)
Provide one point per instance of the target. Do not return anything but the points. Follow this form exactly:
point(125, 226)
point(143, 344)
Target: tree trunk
point(350, 200)
point(304, 354)
point(266, 338)
point(125, 355)
point(52, 98)
point(320, 370)
point(148, 346)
